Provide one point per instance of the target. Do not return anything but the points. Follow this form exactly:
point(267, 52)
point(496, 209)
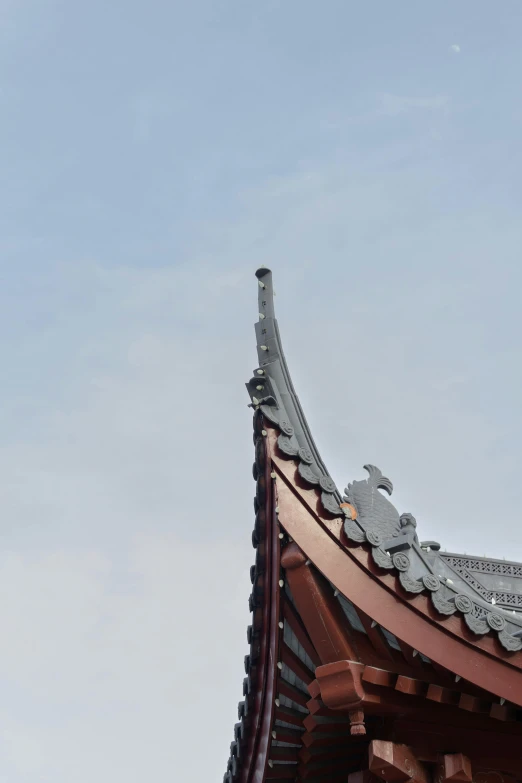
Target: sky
point(152, 156)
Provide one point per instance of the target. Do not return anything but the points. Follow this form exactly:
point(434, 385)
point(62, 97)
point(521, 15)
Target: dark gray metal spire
point(272, 390)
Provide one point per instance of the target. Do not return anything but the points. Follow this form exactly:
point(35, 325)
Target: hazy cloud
point(127, 303)
point(396, 104)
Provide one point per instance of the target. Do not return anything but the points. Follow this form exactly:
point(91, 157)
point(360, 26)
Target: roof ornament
point(373, 511)
point(369, 516)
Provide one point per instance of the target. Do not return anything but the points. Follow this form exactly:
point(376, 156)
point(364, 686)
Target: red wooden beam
point(282, 753)
point(316, 740)
point(411, 686)
point(296, 665)
point(291, 692)
point(474, 703)
point(498, 750)
point(410, 655)
point(503, 712)
point(294, 621)
point(396, 763)
point(346, 751)
point(341, 685)
point(288, 715)
point(376, 636)
point(316, 707)
point(442, 695)
point(379, 676)
point(339, 726)
point(320, 611)
point(256, 749)
point(411, 621)
point(283, 734)
point(454, 767)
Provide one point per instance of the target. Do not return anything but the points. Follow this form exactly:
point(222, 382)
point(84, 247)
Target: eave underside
point(409, 699)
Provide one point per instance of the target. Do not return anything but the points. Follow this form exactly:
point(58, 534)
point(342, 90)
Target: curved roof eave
point(369, 518)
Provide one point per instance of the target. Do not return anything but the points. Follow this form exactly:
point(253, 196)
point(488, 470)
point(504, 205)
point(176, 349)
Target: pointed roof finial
point(266, 293)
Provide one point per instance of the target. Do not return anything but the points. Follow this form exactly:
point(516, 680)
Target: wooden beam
point(283, 734)
point(295, 664)
point(282, 753)
point(316, 740)
point(321, 613)
point(376, 636)
point(346, 751)
point(501, 752)
point(351, 571)
point(503, 712)
point(396, 763)
point(474, 703)
point(316, 707)
point(339, 726)
point(288, 715)
point(410, 655)
point(291, 692)
point(410, 686)
point(363, 776)
point(442, 695)
point(454, 767)
point(294, 621)
point(340, 684)
point(379, 676)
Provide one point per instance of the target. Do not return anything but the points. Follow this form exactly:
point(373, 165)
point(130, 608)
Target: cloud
point(455, 48)
point(101, 681)
point(397, 104)
point(126, 487)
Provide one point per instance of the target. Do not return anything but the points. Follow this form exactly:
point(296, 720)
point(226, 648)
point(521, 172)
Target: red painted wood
point(473, 703)
point(320, 611)
point(442, 695)
point(294, 663)
point(294, 621)
point(388, 608)
point(347, 751)
point(396, 763)
point(340, 726)
point(284, 688)
point(502, 712)
point(411, 686)
point(278, 753)
point(256, 753)
point(456, 767)
point(379, 677)
point(376, 637)
point(289, 716)
point(420, 604)
point(491, 750)
point(282, 734)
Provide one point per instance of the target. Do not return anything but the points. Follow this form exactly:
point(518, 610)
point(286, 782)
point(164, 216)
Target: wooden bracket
point(340, 684)
point(341, 688)
point(320, 611)
point(454, 767)
point(396, 763)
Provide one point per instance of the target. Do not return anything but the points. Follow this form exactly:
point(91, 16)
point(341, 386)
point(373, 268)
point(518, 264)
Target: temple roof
point(488, 593)
point(361, 632)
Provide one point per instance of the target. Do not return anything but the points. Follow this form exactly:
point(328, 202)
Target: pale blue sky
point(152, 155)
